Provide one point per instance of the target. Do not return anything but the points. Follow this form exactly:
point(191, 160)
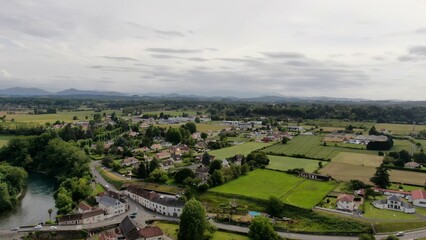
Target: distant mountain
point(21, 91)
point(76, 92)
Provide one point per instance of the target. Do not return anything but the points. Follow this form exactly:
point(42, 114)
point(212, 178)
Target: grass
point(311, 147)
point(201, 127)
point(383, 214)
point(358, 159)
point(262, 184)
point(400, 129)
point(399, 145)
point(308, 193)
point(385, 227)
point(170, 230)
point(286, 163)
point(407, 188)
point(98, 189)
point(111, 178)
point(66, 116)
point(4, 140)
point(347, 172)
point(244, 149)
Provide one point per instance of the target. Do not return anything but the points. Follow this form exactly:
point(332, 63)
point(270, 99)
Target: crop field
point(400, 129)
point(244, 149)
point(201, 127)
point(286, 163)
point(265, 183)
point(308, 193)
point(311, 146)
point(66, 116)
point(4, 140)
point(359, 159)
point(347, 172)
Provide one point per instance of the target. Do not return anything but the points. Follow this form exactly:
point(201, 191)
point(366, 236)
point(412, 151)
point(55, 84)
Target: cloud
point(418, 50)
point(420, 31)
point(172, 50)
point(4, 74)
point(170, 33)
point(163, 56)
point(415, 53)
point(283, 55)
point(121, 59)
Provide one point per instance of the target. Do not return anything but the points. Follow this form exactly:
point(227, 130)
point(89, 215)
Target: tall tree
point(274, 206)
point(381, 177)
point(206, 159)
point(215, 165)
point(261, 228)
point(192, 221)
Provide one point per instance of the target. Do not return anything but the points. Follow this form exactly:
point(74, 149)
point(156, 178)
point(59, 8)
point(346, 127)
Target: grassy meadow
point(286, 163)
point(66, 116)
point(244, 149)
point(308, 193)
point(358, 159)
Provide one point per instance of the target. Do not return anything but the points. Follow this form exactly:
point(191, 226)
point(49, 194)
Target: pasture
point(311, 147)
point(347, 172)
point(66, 116)
point(400, 129)
point(243, 149)
point(265, 183)
point(286, 163)
point(358, 159)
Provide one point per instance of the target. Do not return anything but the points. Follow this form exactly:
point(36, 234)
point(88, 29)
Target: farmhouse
point(412, 165)
point(166, 205)
point(345, 202)
point(419, 198)
point(92, 216)
point(314, 176)
point(394, 203)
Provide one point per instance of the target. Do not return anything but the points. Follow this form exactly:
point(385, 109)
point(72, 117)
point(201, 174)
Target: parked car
point(53, 227)
point(38, 227)
point(400, 234)
point(14, 229)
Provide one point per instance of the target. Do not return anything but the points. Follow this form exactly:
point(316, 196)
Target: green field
point(244, 149)
point(358, 159)
point(66, 116)
point(400, 129)
point(286, 163)
point(311, 146)
point(308, 193)
point(4, 140)
point(265, 183)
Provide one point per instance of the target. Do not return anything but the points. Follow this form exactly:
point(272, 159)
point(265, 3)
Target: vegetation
point(192, 221)
point(261, 228)
point(287, 163)
point(12, 182)
point(242, 149)
point(381, 177)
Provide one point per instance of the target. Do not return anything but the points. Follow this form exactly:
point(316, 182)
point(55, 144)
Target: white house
point(345, 202)
point(419, 198)
point(111, 206)
point(394, 203)
point(166, 205)
point(92, 216)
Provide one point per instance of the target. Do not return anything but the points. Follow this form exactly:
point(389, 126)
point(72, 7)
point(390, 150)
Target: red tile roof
point(150, 232)
point(418, 194)
point(345, 198)
point(84, 206)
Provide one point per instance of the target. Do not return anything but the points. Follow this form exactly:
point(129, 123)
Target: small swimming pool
point(253, 213)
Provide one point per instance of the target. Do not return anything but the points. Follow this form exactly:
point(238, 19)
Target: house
point(107, 235)
point(95, 215)
point(112, 206)
point(345, 202)
point(140, 150)
point(129, 229)
point(412, 165)
point(314, 176)
point(419, 197)
point(83, 207)
point(156, 147)
point(129, 161)
point(163, 155)
point(360, 192)
point(394, 203)
point(166, 205)
point(165, 165)
point(294, 128)
point(202, 172)
point(151, 233)
point(389, 192)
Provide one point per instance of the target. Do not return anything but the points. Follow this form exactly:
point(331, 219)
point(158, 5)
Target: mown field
point(358, 159)
point(311, 146)
point(262, 184)
point(244, 149)
point(286, 163)
point(66, 116)
point(347, 172)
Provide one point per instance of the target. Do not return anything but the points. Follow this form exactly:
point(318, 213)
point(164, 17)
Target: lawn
point(311, 146)
point(308, 193)
point(170, 230)
point(66, 116)
point(244, 149)
point(286, 163)
point(4, 140)
point(383, 214)
point(98, 189)
point(346, 172)
point(358, 159)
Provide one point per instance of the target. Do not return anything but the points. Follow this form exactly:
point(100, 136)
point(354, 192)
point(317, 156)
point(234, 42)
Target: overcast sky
point(336, 48)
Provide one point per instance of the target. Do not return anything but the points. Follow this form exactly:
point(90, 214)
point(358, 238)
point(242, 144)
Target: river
point(33, 207)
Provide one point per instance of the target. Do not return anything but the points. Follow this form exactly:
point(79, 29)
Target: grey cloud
point(170, 33)
point(162, 33)
point(163, 56)
point(415, 53)
point(421, 31)
point(418, 50)
point(283, 55)
point(172, 50)
point(121, 59)
point(197, 59)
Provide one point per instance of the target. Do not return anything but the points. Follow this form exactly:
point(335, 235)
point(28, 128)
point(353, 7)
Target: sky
point(245, 48)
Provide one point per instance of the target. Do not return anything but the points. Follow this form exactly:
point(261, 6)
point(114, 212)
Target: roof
point(418, 194)
point(157, 198)
point(394, 198)
point(107, 201)
point(411, 164)
point(80, 216)
point(150, 232)
point(84, 206)
point(345, 198)
point(391, 191)
point(129, 229)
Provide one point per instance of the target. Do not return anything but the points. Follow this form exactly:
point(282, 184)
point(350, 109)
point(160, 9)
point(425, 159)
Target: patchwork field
point(265, 183)
point(347, 172)
point(286, 163)
point(311, 146)
point(244, 149)
point(66, 116)
point(358, 159)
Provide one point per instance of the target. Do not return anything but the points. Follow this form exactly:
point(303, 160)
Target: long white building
point(166, 205)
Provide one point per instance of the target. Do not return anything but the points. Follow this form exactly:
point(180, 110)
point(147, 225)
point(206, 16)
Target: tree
point(206, 159)
point(381, 177)
point(191, 127)
point(356, 185)
point(373, 131)
point(215, 165)
point(158, 175)
point(391, 237)
point(142, 171)
point(63, 201)
point(274, 206)
point(261, 228)
point(204, 135)
point(173, 135)
point(285, 140)
point(197, 120)
point(183, 174)
point(366, 236)
point(50, 214)
point(5, 200)
point(154, 164)
point(192, 221)
point(216, 178)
